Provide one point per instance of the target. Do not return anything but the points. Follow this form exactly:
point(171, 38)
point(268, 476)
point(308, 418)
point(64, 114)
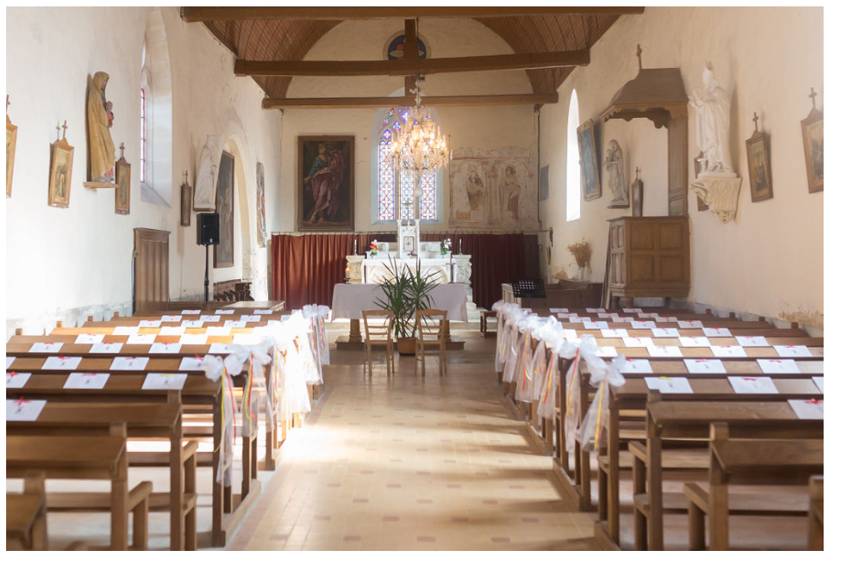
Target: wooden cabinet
point(649, 257)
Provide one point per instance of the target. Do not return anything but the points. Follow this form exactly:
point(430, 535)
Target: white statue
point(614, 166)
point(712, 115)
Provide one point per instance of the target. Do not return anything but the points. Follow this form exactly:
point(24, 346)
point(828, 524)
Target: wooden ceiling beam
point(358, 102)
point(410, 67)
point(197, 14)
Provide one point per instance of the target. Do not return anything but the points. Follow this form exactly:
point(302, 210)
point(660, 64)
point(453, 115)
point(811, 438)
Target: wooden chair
point(26, 515)
point(379, 328)
point(433, 326)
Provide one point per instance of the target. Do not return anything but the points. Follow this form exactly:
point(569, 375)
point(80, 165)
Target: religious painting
point(186, 202)
point(205, 182)
point(470, 198)
point(812, 127)
point(11, 145)
point(614, 169)
point(588, 150)
point(759, 166)
point(223, 252)
point(394, 47)
point(61, 173)
point(122, 192)
point(261, 206)
point(325, 183)
point(637, 195)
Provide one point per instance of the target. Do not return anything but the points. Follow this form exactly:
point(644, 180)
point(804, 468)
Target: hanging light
point(419, 145)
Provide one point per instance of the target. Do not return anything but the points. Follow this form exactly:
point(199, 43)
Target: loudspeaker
point(207, 228)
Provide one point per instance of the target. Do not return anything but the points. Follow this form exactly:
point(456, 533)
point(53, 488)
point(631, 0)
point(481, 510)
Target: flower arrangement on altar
point(582, 253)
point(374, 247)
point(446, 246)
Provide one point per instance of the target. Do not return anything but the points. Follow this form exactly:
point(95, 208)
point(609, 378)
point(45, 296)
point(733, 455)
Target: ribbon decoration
point(601, 378)
point(214, 370)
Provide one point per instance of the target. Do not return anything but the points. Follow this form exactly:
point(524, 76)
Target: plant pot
point(406, 346)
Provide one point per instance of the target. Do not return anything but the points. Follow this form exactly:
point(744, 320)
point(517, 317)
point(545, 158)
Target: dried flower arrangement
point(582, 253)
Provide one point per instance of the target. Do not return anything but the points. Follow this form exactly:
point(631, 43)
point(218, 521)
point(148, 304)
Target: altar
point(371, 268)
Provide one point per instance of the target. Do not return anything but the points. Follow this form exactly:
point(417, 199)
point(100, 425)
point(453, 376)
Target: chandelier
point(419, 145)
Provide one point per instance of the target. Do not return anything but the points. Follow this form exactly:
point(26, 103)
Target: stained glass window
point(387, 196)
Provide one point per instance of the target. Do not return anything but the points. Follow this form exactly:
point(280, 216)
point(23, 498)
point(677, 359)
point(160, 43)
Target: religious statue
point(511, 192)
point(712, 115)
point(614, 167)
point(100, 118)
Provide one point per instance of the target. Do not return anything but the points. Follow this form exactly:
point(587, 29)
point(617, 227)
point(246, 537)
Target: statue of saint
point(614, 165)
point(100, 117)
point(712, 116)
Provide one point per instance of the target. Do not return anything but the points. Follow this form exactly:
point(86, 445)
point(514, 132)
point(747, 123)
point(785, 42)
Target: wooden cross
point(755, 122)
point(122, 150)
point(639, 55)
point(64, 131)
point(813, 95)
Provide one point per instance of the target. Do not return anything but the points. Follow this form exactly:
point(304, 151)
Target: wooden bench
point(26, 515)
point(816, 513)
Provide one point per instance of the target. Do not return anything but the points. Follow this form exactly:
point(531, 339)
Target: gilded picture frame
point(759, 166)
point(812, 127)
point(325, 186)
point(11, 147)
point(61, 173)
point(588, 150)
point(122, 187)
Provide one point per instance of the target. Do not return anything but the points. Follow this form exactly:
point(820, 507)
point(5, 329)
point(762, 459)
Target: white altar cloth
point(350, 299)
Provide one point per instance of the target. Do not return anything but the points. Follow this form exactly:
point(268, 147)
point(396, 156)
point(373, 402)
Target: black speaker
point(207, 228)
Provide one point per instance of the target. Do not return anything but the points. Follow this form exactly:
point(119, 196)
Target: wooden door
point(151, 268)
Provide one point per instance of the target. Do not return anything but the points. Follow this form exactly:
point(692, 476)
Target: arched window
point(144, 135)
point(573, 181)
point(387, 196)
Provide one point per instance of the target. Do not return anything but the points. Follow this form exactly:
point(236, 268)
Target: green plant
point(406, 292)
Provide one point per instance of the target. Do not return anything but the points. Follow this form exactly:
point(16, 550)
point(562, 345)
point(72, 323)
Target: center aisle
point(410, 464)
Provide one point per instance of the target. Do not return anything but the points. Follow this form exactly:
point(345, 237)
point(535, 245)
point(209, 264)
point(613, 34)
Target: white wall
point(67, 262)
point(769, 261)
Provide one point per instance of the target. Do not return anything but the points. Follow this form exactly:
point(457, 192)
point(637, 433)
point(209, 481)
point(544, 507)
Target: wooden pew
point(816, 513)
point(26, 515)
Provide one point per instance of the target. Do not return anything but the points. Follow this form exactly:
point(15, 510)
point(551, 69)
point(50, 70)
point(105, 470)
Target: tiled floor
point(413, 463)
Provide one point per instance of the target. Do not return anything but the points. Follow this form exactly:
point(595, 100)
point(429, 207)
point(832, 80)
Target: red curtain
point(305, 268)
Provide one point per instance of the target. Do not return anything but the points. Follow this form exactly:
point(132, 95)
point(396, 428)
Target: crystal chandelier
point(420, 145)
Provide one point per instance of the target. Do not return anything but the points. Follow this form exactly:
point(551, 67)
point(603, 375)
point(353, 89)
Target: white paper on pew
point(62, 363)
point(728, 351)
point(594, 310)
point(149, 323)
point(89, 338)
point(190, 312)
point(632, 310)
point(211, 318)
point(170, 318)
point(569, 334)
point(694, 342)
point(666, 319)
point(695, 324)
point(141, 339)
point(752, 384)
point(225, 312)
point(219, 349)
point(217, 330)
point(191, 363)
point(607, 352)
point(564, 315)
point(666, 384)
point(614, 333)
point(637, 366)
point(558, 310)
point(236, 324)
point(664, 351)
point(250, 318)
point(86, 381)
point(164, 381)
point(193, 339)
point(105, 348)
point(818, 381)
point(45, 347)
point(637, 342)
point(643, 324)
point(623, 320)
point(595, 325)
point(704, 366)
point(17, 379)
point(576, 319)
point(811, 367)
point(192, 323)
point(717, 332)
point(247, 339)
point(647, 315)
point(270, 312)
point(752, 341)
point(665, 332)
point(777, 366)
point(126, 330)
point(165, 348)
point(807, 408)
point(129, 363)
point(792, 350)
point(9, 361)
point(172, 330)
point(24, 409)
point(605, 315)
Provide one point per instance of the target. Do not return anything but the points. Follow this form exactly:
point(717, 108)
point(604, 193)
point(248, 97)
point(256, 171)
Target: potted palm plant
point(405, 292)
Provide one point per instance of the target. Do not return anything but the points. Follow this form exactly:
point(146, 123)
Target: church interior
point(377, 278)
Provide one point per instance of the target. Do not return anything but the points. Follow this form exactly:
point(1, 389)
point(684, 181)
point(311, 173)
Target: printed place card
point(149, 323)
point(270, 312)
point(637, 342)
point(24, 409)
point(777, 366)
point(250, 318)
point(664, 351)
point(792, 350)
point(551, 310)
point(86, 381)
point(192, 323)
point(576, 319)
point(665, 332)
point(614, 333)
point(190, 312)
point(704, 366)
point(632, 310)
point(607, 352)
point(665, 384)
point(210, 318)
point(666, 319)
point(19, 379)
point(169, 319)
point(807, 408)
point(164, 381)
point(126, 330)
point(62, 363)
point(643, 325)
point(595, 325)
point(694, 342)
point(165, 348)
point(129, 363)
point(695, 324)
point(172, 330)
point(637, 366)
point(235, 324)
point(191, 363)
point(217, 330)
point(105, 348)
point(605, 315)
point(717, 332)
point(752, 341)
point(594, 310)
point(89, 339)
point(647, 315)
point(45, 347)
point(818, 381)
point(623, 320)
point(728, 351)
point(561, 315)
point(246, 339)
point(752, 384)
point(9, 361)
point(141, 339)
point(225, 312)
point(193, 339)
point(219, 349)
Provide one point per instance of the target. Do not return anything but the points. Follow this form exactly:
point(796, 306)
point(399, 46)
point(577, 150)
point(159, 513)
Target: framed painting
point(261, 206)
point(588, 152)
point(223, 252)
point(325, 183)
point(11, 145)
point(186, 202)
point(122, 191)
point(61, 173)
point(759, 166)
point(812, 127)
